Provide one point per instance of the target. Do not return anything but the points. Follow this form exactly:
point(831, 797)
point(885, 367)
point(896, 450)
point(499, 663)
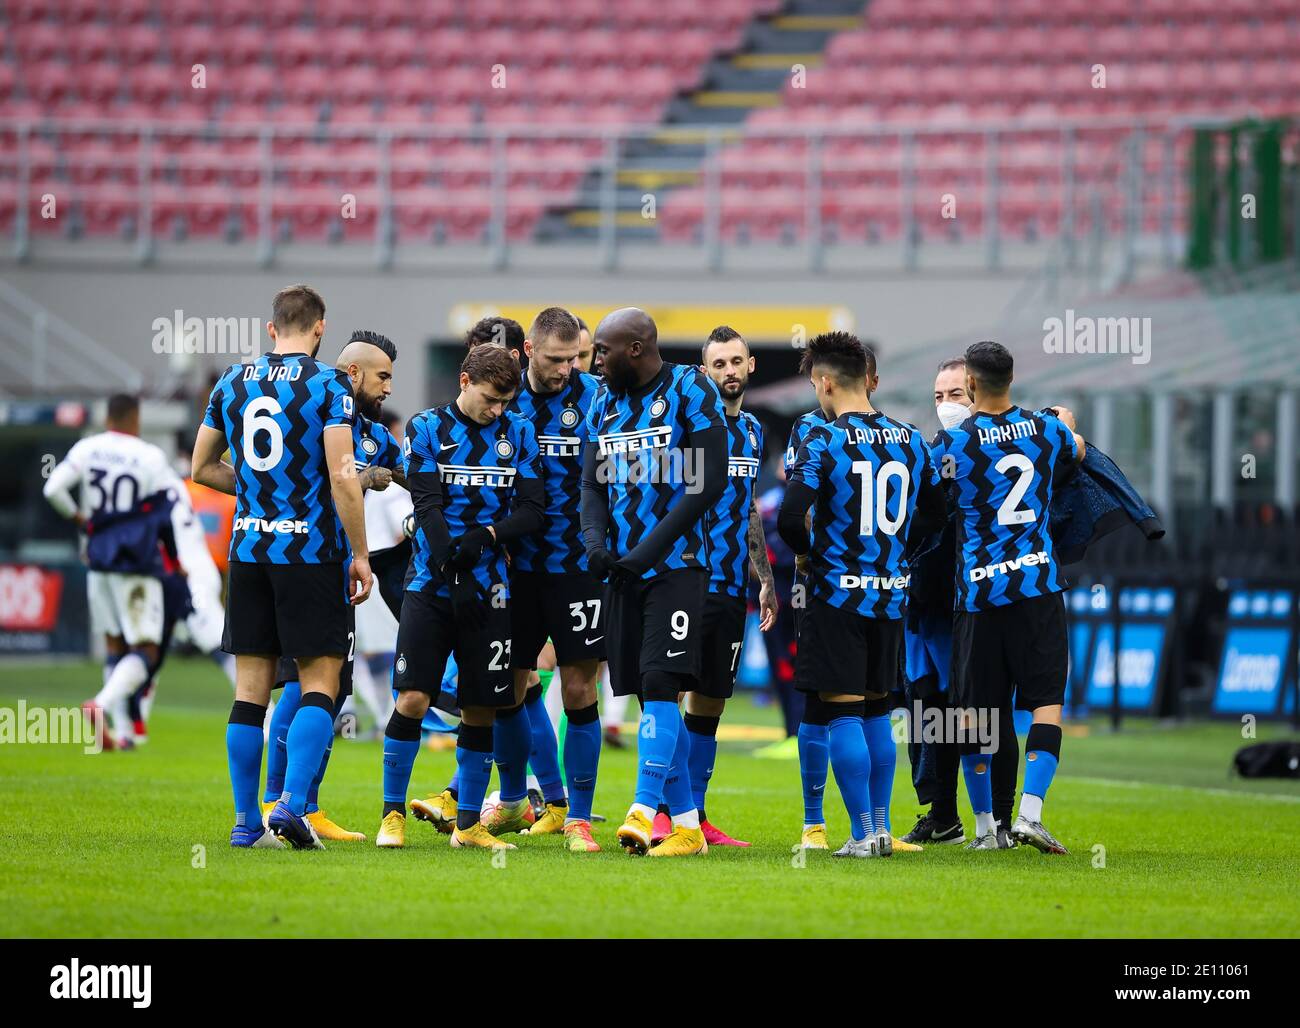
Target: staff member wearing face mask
point(928, 649)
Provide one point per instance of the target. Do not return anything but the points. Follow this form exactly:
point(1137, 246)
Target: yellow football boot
point(327, 829)
point(577, 837)
point(505, 818)
point(634, 833)
point(392, 832)
point(552, 821)
point(266, 809)
point(682, 842)
point(438, 809)
point(814, 838)
point(905, 847)
point(478, 837)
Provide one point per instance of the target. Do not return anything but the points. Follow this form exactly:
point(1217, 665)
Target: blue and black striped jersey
point(1002, 467)
point(799, 432)
point(477, 467)
point(643, 462)
point(273, 413)
point(728, 522)
point(374, 445)
point(559, 422)
point(867, 471)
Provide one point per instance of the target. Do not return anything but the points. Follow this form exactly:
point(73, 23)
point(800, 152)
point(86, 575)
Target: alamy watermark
point(55, 726)
point(642, 460)
point(179, 334)
point(1080, 334)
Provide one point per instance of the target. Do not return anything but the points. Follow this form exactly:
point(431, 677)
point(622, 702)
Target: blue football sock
point(702, 732)
point(814, 760)
point(661, 722)
point(244, 758)
point(1040, 768)
point(474, 749)
point(309, 735)
point(884, 757)
point(277, 755)
point(511, 741)
point(1042, 749)
point(979, 782)
point(581, 758)
point(677, 786)
point(544, 752)
point(313, 791)
point(851, 762)
point(401, 744)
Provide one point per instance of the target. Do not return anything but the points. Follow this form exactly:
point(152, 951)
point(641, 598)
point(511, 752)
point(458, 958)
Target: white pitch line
point(1230, 793)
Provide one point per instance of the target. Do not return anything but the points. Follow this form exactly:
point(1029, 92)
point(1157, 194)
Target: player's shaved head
point(367, 362)
point(626, 348)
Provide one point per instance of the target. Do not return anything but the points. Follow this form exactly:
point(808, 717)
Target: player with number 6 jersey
point(287, 421)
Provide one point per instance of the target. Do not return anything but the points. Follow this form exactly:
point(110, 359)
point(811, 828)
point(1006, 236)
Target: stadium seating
point(439, 75)
point(949, 68)
point(327, 66)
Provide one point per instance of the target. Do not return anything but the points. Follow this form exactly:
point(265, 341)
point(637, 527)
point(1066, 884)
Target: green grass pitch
point(1163, 843)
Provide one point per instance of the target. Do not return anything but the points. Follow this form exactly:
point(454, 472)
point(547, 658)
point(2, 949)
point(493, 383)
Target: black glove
point(467, 551)
point(599, 562)
point(468, 604)
point(625, 572)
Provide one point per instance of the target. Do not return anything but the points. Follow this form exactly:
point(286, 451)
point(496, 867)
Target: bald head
point(627, 348)
point(370, 370)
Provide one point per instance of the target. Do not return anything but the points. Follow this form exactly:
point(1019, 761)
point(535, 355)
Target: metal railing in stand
point(880, 174)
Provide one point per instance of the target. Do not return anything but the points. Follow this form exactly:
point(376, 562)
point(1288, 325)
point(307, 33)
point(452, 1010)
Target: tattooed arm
point(767, 602)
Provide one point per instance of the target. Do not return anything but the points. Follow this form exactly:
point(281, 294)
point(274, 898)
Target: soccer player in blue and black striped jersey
point(814, 730)
point(472, 468)
point(287, 420)
point(367, 360)
point(1010, 628)
point(735, 541)
point(553, 595)
point(865, 476)
point(653, 466)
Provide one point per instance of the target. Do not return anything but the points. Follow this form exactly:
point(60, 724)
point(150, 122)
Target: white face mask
point(952, 414)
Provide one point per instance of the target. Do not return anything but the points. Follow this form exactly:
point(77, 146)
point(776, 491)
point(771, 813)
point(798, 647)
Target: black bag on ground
point(1279, 759)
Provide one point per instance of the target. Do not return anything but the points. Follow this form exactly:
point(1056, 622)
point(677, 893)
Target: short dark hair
point(582, 325)
point(842, 352)
point(721, 334)
point(122, 406)
point(296, 309)
point(554, 321)
point(950, 363)
point(496, 330)
point(495, 365)
point(990, 364)
point(364, 335)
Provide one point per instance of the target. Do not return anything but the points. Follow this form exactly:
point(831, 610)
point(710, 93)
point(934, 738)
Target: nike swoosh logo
point(447, 447)
point(611, 417)
point(678, 653)
point(818, 788)
point(501, 688)
point(590, 642)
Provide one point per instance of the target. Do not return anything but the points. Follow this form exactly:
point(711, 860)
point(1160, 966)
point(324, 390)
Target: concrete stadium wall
point(117, 304)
